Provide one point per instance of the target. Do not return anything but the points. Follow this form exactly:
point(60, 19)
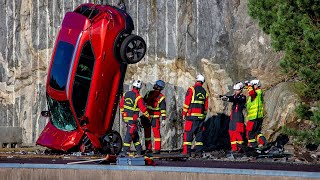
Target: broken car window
point(61, 115)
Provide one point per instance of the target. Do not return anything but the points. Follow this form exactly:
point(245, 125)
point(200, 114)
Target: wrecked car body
point(85, 78)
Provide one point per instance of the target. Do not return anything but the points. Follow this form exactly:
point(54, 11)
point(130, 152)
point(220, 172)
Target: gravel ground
point(215, 159)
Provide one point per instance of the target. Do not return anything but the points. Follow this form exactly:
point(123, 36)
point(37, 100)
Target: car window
point(82, 80)
point(61, 115)
point(60, 66)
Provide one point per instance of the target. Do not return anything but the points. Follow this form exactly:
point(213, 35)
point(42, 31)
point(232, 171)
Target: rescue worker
point(156, 105)
point(255, 115)
point(236, 125)
point(130, 105)
point(194, 113)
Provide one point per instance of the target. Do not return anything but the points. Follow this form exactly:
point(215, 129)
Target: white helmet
point(237, 86)
point(241, 85)
point(200, 78)
point(255, 82)
point(137, 84)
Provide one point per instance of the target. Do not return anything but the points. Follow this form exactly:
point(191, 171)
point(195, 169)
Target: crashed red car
point(85, 78)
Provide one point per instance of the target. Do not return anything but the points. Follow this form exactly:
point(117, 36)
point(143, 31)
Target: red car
point(85, 78)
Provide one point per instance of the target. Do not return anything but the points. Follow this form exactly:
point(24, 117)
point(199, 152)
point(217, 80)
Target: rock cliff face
point(184, 38)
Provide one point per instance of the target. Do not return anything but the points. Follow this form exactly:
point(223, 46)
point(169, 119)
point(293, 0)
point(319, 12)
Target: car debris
point(110, 158)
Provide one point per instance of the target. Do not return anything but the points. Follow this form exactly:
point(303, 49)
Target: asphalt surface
point(178, 162)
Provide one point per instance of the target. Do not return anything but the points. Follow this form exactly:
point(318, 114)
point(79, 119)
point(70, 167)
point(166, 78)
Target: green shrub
point(294, 28)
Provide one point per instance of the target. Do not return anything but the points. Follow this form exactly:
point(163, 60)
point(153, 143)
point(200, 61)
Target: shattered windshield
point(61, 115)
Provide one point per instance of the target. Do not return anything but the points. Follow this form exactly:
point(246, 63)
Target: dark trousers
point(132, 135)
point(193, 128)
point(254, 134)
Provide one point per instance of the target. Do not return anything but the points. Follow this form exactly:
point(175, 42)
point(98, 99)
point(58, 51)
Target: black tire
point(111, 143)
point(117, 45)
point(132, 49)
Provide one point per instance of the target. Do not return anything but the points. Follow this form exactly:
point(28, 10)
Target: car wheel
point(112, 143)
point(117, 45)
point(132, 49)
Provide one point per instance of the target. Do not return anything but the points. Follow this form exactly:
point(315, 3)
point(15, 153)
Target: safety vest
point(153, 104)
point(255, 107)
point(197, 105)
point(130, 107)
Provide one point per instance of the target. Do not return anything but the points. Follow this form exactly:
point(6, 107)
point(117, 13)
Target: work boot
point(198, 152)
point(263, 149)
point(198, 155)
point(187, 154)
point(192, 155)
point(139, 150)
point(123, 154)
point(139, 153)
point(230, 155)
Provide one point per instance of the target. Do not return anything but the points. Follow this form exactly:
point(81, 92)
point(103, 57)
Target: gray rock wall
point(184, 37)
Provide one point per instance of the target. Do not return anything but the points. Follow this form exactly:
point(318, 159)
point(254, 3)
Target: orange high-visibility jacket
point(196, 103)
point(156, 104)
point(130, 105)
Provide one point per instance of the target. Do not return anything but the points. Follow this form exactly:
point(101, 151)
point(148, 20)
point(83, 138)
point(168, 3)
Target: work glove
point(163, 123)
point(224, 98)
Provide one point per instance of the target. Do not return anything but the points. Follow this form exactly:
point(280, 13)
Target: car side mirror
point(84, 121)
point(45, 113)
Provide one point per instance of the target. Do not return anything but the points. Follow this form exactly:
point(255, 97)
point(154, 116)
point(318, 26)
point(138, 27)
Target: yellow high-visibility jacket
point(255, 107)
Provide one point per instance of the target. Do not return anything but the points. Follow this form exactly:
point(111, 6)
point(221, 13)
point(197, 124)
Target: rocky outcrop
point(184, 38)
point(279, 108)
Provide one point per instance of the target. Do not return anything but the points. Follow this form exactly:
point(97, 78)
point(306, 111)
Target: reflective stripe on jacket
point(156, 104)
point(130, 105)
point(196, 103)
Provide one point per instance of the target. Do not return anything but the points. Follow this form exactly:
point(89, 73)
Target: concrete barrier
point(97, 172)
point(10, 137)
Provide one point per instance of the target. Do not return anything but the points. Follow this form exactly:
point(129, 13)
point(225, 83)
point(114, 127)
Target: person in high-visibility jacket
point(156, 104)
point(194, 113)
point(236, 124)
point(130, 105)
point(255, 115)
